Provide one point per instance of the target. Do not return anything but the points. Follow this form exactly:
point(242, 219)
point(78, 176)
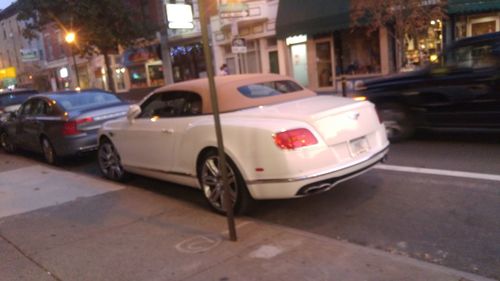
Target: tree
point(403, 17)
point(101, 26)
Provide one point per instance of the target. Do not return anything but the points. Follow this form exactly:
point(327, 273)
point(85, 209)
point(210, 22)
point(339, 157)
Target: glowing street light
point(70, 38)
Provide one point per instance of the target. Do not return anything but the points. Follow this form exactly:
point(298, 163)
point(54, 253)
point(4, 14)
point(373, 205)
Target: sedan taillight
point(70, 128)
point(295, 138)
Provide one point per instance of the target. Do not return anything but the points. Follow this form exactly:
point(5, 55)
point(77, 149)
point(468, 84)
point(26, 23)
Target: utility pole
point(165, 48)
point(228, 205)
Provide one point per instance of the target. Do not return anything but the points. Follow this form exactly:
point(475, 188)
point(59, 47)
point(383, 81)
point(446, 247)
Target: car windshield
point(9, 99)
point(86, 100)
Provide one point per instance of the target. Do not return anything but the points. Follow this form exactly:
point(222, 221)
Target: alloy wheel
point(48, 151)
point(213, 186)
point(6, 144)
point(109, 162)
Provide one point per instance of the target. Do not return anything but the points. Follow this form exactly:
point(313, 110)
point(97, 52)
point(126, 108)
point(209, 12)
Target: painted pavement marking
point(438, 172)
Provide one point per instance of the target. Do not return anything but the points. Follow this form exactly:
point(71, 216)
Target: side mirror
point(12, 114)
point(133, 111)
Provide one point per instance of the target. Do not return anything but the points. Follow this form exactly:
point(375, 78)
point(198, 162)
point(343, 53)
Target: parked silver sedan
point(60, 124)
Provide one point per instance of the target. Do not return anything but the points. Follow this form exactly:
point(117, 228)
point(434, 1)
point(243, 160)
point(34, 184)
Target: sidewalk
point(116, 233)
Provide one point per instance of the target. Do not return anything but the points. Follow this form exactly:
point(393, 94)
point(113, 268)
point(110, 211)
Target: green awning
point(311, 17)
point(472, 6)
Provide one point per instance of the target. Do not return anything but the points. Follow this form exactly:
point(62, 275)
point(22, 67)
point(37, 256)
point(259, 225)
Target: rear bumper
point(315, 183)
point(72, 145)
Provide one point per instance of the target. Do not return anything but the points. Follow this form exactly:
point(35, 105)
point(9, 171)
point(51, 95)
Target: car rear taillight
point(295, 138)
point(70, 128)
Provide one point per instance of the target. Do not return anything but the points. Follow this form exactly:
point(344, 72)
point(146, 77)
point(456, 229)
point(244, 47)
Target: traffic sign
point(239, 46)
point(240, 14)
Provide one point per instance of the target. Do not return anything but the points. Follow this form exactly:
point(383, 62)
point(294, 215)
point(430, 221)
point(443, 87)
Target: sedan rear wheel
point(398, 123)
point(210, 177)
point(48, 152)
point(110, 163)
point(6, 143)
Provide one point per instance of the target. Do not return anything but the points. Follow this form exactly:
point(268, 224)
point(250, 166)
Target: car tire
point(398, 123)
point(110, 162)
point(6, 143)
point(211, 184)
point(48, 151)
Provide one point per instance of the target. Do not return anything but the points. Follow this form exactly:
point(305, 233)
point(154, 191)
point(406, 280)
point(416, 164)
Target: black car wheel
point(398, 123)
point(48, 152)
point(110, 163)
point(210, 178)
point(6, 143)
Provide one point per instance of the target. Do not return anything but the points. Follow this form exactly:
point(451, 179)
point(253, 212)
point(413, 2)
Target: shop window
point(155, 75)
point(188, 62)
point(424, 48)
point(476, 57)
point(324, 64)
point(120, 78)
point(299, 63)
point(357, 52)
point(481, 28)
point(138, 78)
point(274, 66)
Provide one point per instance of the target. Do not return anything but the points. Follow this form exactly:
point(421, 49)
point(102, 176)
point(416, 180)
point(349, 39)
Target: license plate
point(358, 146)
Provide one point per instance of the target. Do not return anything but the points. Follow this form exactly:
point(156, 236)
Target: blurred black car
point(11, 100)
point(60, 124)
point(460, 92)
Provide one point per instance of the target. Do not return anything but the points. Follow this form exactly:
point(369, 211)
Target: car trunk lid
point(335, 119)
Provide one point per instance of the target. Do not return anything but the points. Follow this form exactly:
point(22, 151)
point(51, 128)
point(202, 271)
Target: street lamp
point(70, 39)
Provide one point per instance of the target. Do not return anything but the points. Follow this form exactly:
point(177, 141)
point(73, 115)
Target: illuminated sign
point(9, 72)
point(63, 72)
point(180, 16)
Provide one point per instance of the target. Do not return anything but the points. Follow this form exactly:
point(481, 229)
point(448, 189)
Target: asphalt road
point(448, 220)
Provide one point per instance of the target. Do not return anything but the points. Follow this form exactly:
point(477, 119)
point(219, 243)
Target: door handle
point(167, 131)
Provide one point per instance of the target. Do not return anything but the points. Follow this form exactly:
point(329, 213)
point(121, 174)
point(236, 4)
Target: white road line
point(438, 172)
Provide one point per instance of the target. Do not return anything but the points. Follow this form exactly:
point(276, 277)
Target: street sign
point(28, 55)
point(227, 15)
point(233, 10)
point(239, 46)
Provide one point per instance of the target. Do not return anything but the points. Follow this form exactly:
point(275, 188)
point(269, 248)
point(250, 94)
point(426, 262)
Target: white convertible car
point(281, 140)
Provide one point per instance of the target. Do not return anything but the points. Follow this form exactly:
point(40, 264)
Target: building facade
point(20, 58)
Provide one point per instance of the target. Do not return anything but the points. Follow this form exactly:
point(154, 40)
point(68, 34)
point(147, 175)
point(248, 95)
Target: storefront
point(144, 67)
point(252, 33)
point(471, 18)
point(322, 47)
point(188, 62)
point(423, 48)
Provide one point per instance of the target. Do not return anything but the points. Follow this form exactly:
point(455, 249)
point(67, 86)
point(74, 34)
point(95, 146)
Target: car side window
point(39, 108)
point(475, 57)
point(171, 104)
point(27, 108)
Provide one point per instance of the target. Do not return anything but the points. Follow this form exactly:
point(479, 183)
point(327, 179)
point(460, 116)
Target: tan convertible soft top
point(230, 99)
